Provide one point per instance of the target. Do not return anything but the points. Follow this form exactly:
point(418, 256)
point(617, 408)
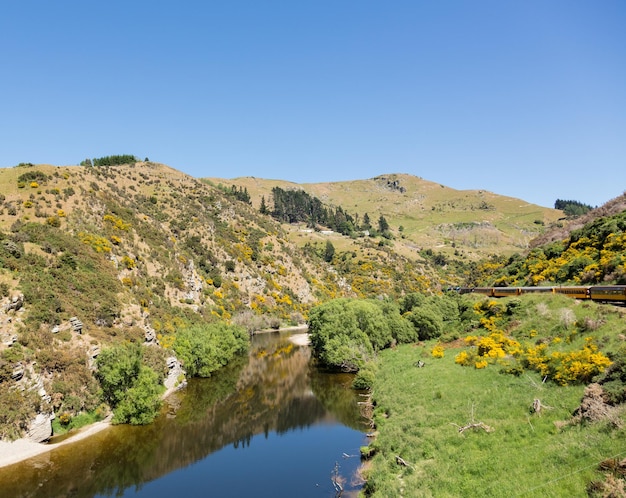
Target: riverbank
point(23, 449)
point(293, 328)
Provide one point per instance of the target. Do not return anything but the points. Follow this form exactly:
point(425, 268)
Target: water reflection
point(275, 390)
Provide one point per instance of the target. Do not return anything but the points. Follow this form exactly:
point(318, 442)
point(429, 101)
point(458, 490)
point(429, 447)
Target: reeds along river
point(271, 424)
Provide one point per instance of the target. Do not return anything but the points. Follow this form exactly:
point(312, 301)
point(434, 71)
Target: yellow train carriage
point(536, 290)
point(506, 291)
point(577, 292)
point(608, 293)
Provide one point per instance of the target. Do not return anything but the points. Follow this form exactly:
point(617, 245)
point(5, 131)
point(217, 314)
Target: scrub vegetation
point(112, 271)
point(449, 416)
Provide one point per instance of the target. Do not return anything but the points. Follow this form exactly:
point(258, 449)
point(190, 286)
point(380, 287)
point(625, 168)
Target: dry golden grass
point(469, 222)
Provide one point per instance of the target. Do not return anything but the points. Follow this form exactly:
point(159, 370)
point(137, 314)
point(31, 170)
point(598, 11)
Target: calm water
point(268, 425)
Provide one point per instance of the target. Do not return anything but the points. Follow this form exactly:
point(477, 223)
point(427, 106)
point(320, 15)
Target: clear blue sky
point(525, 98)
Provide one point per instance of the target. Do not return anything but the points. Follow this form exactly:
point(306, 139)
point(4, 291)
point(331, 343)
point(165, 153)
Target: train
point(602, 293)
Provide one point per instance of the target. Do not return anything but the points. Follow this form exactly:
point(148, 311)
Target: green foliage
point(17, 409)
point(364, 379)
point(140, 404)
point(329, 252)
point(114, 160)
point(32, 176)
point(613, 380)
point(203, 349)
point(129, 386)
point(572, 208)
point(431, 315)
point(427, 323)
point(241, 194)
point(345, 333)
point(65, 422)
point(293, 206)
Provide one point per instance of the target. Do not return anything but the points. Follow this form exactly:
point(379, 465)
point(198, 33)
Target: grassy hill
point(459, 224)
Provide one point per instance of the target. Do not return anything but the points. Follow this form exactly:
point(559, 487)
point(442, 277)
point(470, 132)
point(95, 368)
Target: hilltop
point(423, 215)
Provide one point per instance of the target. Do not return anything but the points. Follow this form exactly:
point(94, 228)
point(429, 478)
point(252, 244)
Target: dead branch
point(335, 478)
point(403, 462)
point(475, 425)
point(538, 406)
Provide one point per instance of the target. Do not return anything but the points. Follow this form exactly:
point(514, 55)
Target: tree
point(130, 387)
point(427, 323)
point(263, 209)
point(329, 252)
point(367, 224)
point(345, 333)
point(383, 226)
point(203, 349)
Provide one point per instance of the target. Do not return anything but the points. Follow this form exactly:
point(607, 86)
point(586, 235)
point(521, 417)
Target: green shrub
point(203, 349)
point(129, 386)
point(364, 378)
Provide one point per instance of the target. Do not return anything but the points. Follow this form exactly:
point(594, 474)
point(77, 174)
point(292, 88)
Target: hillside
point(91, 257)
point(423, 215)
point(96, 257)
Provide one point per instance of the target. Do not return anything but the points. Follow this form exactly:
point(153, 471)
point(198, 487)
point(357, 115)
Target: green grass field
point(420, 410)
point(419, 413)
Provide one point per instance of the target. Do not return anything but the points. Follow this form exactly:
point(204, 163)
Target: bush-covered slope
point(95, 257)
point(589, 253)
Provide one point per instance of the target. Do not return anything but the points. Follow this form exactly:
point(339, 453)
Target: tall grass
point(419, 413)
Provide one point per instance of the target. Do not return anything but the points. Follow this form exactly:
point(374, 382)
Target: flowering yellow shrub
point(437, 351)
point(537, 359)
point(128, 262)
point(567, 367)
point(579, 366)
point(492, 347)
point(99, 244)
point(34, 185)
point(167, 340)
point(117, 222)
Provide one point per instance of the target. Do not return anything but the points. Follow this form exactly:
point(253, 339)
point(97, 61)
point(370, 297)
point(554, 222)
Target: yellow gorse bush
point(99, 244)
point(492, 347)
point(438, 351)
point(117, 222)
point(579, 366)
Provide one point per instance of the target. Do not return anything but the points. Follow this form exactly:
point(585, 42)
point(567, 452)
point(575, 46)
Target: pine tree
point(263, 209)
point(383, 226)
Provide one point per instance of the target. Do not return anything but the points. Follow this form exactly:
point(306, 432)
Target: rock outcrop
point(40, 429)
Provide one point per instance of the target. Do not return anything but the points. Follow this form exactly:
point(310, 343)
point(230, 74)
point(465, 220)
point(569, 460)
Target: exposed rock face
point(40, 429)
point(77, 325)
point(16, 303)
point(175, 374)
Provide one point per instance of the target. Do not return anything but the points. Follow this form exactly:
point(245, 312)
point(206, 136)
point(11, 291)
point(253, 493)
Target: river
point(271, 424)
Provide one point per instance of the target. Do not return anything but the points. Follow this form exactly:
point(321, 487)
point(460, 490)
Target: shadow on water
point(274, 394)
